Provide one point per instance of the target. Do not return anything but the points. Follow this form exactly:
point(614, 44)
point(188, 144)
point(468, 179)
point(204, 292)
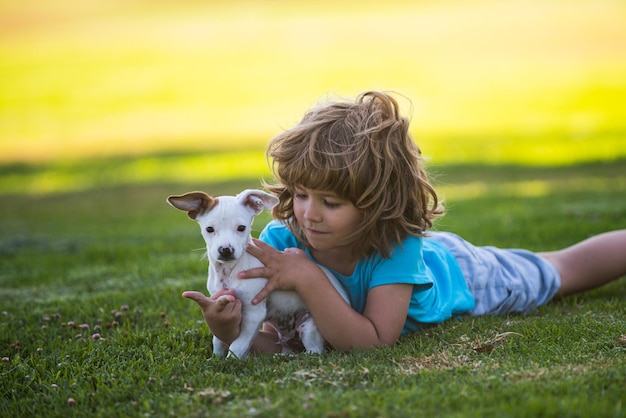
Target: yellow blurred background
point(538, 81)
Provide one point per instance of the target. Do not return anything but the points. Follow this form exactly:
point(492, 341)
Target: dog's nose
point(226, 252)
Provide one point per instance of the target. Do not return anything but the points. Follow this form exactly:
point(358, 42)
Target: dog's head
point(225, 221)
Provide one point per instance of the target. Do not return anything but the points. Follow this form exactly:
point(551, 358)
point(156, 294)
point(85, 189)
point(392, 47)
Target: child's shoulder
point(425, 247)
point(278, 235)
point(275, 226)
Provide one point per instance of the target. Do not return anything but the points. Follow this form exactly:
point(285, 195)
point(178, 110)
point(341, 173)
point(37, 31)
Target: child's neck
point(338, 260)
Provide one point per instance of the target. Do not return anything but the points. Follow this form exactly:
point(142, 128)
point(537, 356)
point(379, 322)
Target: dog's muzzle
point(226, 253)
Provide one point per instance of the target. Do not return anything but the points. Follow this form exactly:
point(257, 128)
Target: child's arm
point(380, 324)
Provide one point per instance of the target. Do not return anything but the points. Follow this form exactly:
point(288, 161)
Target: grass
point(90, 309)
point(107, 107)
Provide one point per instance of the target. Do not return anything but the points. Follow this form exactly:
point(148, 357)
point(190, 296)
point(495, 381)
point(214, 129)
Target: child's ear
point(194, 203)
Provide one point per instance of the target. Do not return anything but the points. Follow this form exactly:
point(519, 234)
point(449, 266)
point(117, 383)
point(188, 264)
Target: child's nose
point(312, 213)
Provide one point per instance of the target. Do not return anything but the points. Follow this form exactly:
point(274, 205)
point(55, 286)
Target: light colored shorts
point(502, 280)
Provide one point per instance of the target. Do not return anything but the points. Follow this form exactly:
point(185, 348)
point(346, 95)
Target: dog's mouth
point(226, 253)
point(226, 258)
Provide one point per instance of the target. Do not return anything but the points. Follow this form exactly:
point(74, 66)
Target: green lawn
point(109, 106)
point(113, 261)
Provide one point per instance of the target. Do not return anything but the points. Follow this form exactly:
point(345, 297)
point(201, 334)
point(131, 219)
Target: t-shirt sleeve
point(405, 266)
point(278, 236)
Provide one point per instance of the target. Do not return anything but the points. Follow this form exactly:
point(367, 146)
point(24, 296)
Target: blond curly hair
point(362, 151)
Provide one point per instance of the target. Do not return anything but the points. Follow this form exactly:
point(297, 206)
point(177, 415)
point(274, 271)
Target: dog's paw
point(233, 355)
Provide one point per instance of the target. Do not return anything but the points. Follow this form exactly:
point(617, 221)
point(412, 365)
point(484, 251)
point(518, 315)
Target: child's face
point(325, 218)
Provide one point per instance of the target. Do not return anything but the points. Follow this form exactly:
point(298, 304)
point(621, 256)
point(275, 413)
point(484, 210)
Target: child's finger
point(223, 301)
point(254, 273)
point(293, 251)
point(222, 292)
point(263, 245)
point(261, 250)
point(265, 292)
point(197, 297)
point(255, 250)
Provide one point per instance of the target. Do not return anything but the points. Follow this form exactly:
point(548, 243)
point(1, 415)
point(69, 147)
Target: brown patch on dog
point(194, 203)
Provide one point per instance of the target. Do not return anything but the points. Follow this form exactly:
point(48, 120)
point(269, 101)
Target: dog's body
point(225, 222)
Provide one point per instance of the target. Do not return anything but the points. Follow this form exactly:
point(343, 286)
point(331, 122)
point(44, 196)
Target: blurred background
point(104, 92)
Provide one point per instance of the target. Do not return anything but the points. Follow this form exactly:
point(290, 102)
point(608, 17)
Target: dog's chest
point(224, 276)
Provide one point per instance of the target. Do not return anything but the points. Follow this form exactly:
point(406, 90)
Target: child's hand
point(221, 312)
point(282, 269)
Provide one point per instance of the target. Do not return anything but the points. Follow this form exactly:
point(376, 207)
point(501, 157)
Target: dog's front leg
point(251, 319)
point(220, 348)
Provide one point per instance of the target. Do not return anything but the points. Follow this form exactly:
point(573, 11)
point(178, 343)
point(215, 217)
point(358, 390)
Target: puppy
point(225, 223)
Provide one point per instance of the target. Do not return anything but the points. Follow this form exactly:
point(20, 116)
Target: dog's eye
point(210, 229)
point(241, 228)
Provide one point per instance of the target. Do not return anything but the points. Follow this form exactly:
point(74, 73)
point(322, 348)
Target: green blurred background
point(103, 92)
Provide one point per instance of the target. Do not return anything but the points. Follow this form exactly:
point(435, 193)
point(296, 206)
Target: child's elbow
point(364, 345)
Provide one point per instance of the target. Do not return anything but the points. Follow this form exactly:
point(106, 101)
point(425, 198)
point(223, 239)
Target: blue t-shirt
point(439, 288)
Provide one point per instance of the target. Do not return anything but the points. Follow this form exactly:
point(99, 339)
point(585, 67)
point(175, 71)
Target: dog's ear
point(257, 200)
point(194, 203)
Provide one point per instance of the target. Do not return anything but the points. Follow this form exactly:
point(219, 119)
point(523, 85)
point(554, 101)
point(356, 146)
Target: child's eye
point(300, 195)
point(331, 205)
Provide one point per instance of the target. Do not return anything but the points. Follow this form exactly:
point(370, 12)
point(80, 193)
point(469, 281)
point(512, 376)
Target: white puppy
point(225, 222)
